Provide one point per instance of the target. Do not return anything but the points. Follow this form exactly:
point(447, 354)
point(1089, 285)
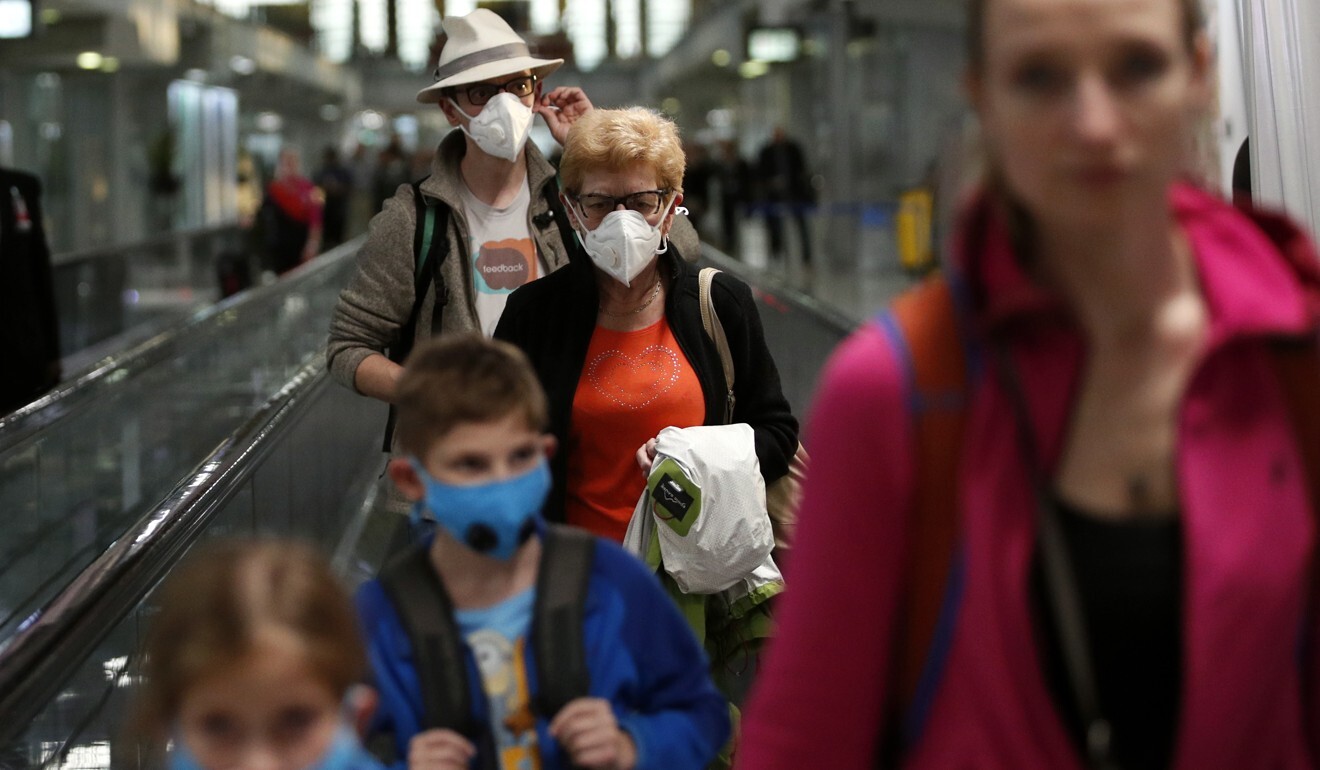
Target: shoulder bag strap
point(1060, 579)
point(1297, 365)
point(562, 583)
point(710, 320)
point(557, 213)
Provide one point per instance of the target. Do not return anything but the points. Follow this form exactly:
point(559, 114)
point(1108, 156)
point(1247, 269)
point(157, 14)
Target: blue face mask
point(344, 753)
point(492, 519)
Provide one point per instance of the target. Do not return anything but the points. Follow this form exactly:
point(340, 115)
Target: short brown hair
point(213, 608)
point(1192, 18)
point(464, 378)
point(616, 139)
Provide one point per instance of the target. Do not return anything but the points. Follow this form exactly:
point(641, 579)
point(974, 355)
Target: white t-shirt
point(501, 253)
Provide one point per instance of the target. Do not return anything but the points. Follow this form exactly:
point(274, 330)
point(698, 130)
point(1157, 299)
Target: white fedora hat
point(481, 46)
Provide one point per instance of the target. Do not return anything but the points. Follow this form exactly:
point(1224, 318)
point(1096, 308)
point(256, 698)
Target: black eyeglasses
point(480, 93)
point(595, 206)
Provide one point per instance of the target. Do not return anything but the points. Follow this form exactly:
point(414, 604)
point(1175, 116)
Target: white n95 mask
point(502, 126)
point(623, 244)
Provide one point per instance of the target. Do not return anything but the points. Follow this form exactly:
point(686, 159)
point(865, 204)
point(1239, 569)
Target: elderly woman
point(616, 338)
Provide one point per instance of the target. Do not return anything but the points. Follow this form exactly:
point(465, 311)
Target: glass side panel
point(71, 489)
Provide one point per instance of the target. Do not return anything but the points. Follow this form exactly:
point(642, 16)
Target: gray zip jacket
point(376, 303)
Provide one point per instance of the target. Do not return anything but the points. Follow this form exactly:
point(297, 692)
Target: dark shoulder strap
point(551, 192)
point(925, 327)
point(427, 613)
point(560, 609)
point(1297, 365)
point(430, 249)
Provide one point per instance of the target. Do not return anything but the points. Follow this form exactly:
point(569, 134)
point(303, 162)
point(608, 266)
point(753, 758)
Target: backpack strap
point(424, 607)
point(556, 212)
point(925, 326)
point(558, 614)
point(557, 618)
point(430, 249)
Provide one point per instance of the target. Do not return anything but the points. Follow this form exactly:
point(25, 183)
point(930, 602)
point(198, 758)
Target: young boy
point(471, 421)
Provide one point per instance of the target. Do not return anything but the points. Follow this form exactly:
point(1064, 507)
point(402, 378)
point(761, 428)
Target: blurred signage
point(18, 18)
point(774, 44)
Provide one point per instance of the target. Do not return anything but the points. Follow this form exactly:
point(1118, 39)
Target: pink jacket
point(1250, 538)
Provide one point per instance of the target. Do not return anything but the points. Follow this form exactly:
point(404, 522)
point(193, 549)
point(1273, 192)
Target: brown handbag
point(782, 495)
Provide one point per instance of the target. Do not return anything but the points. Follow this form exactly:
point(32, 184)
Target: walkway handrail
point(764, 283)
point(56, 405)
point(37, 661)
point(165, 239)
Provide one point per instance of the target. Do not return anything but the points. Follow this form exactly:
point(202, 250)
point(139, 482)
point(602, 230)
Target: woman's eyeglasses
point(480, 93)
point(595, 206)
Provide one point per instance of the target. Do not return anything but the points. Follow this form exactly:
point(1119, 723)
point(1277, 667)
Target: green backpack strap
point(430, 249)
point(557, 618)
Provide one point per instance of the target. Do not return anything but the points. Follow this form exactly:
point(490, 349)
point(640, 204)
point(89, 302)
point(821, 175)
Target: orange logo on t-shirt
point(505, 265)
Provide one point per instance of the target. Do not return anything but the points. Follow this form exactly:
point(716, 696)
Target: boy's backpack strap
point(926, 328)
point(423, 604)
point(557, 618)
point(430, 249)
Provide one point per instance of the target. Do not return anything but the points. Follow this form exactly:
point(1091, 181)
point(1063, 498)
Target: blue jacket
point(641, 655)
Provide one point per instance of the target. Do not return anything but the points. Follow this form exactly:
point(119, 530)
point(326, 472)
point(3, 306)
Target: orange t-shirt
point(633, 385)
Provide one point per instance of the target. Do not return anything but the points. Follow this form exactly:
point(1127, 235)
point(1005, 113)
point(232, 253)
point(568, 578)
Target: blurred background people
point(785, 189)
point(393, 167)
point(336, 182)
point(291, 216)
point(1107, 546)
point(734, 181)
point(29, 323)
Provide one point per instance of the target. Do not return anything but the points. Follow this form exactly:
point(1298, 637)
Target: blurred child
point(251, 660)
point(471, 420)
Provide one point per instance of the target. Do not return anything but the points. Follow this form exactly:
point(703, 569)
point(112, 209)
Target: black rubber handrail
point(84, 388)
point(47, 651)
point(768, 283)
point(98, 253)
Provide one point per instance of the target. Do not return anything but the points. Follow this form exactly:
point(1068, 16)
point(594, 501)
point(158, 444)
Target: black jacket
point(29, 326)
point(552, 320)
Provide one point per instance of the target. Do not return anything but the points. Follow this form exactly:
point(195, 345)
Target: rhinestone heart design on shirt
point(651, 374)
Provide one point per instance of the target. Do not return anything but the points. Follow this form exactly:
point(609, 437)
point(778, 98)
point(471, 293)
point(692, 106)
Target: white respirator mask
point(624, 243)
point(502, 126)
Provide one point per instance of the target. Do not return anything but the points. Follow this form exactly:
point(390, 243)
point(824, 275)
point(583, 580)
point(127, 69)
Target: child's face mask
point(493, 518)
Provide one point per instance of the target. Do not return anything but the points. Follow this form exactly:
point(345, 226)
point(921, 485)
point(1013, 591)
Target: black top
point(552, 319)
point(1129, 577)
point(29, 323)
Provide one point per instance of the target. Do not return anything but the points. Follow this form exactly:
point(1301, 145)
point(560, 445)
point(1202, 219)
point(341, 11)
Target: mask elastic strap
point(664, 245)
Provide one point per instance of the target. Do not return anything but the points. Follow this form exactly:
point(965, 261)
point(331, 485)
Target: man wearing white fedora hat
point(444, 254)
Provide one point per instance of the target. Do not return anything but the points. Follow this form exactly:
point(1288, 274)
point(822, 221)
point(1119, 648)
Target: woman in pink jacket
point(1126, 402)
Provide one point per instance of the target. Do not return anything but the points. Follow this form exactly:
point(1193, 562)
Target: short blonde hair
point(613, 140)
point(464, 378)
